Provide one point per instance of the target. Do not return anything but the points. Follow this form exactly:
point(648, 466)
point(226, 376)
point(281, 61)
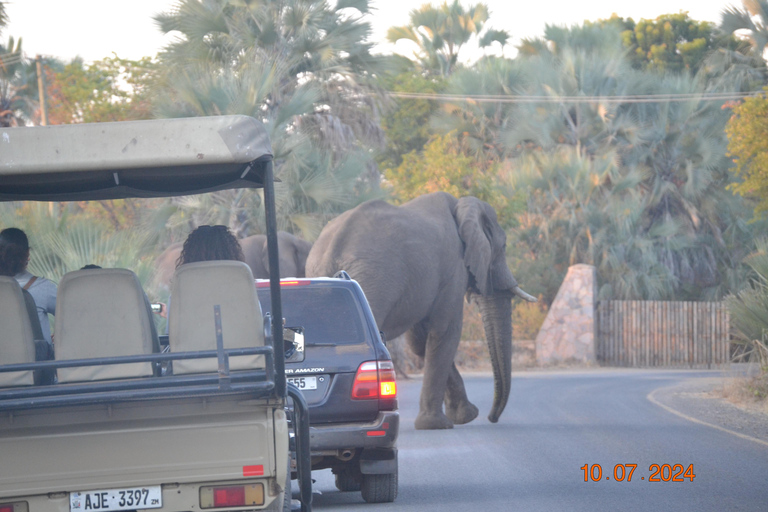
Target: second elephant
point(293, 253)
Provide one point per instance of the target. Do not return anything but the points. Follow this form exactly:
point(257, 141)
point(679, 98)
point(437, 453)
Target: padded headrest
point(17, 341)
point(195, 289)
point(103, 313)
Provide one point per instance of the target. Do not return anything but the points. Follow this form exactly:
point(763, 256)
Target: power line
point(14, 58)
point(524, 98)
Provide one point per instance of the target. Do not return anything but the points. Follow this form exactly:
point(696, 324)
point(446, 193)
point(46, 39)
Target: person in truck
point(207, 243)
point(14, 258)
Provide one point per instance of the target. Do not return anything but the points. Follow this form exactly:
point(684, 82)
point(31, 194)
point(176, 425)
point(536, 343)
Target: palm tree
point(301, 67)
point(739, 64)
point(440, 32)
point(679, 234)
point(583, 209)
point(3, 16)
point(16, 106)
point(749, 307)
point(753, 20)
point(481, 123)
point(63, 239)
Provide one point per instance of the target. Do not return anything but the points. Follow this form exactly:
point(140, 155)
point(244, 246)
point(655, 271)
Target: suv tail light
point(375, 379)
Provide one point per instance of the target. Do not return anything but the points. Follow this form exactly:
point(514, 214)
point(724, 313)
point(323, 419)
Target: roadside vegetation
point(625, 144)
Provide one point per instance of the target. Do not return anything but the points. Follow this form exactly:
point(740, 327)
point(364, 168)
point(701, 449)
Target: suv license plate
point(303, 382)
point(116, 499)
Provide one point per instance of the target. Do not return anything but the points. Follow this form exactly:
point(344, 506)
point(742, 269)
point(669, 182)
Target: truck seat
point(195, 289)
point(103, 313)
point(17, 340)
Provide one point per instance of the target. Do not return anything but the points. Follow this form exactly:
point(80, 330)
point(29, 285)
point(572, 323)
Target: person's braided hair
point(208, 243)
point(14, 251)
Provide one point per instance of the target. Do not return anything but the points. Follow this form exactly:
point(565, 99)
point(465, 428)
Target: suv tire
point(349, 479)
point(379, 488)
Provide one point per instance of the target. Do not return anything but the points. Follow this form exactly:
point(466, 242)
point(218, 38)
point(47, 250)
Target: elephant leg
point(435, 381)
point(416, 338)
point(457, 406)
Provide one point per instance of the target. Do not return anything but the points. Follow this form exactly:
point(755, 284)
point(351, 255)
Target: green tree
point(111, 89)
point(747, 132)
point(406, 120)
point(440, 167)
point(668, 43)
point(672, 42)
point(440, 32)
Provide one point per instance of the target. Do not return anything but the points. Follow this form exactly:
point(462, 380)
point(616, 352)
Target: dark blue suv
point(338, 361)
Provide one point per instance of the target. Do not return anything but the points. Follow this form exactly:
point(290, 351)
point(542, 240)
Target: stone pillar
point(569, 331)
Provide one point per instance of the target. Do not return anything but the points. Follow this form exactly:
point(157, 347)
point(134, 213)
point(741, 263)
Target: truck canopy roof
point(155, 158)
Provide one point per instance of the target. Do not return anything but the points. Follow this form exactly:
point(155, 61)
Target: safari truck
point(195, 421)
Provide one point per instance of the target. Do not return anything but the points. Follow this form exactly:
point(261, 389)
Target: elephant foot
point(462, 414)
point(437, 421)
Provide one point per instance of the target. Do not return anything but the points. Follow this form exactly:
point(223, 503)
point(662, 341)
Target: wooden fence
point(656, 333)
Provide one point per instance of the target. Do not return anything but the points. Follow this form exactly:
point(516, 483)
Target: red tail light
point(375, 379)
point(229, 497)
point(6, 508)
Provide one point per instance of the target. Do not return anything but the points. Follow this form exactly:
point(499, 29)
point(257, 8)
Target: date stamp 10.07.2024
point(626, 472)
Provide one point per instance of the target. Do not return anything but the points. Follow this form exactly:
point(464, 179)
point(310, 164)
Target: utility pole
point(41, 89)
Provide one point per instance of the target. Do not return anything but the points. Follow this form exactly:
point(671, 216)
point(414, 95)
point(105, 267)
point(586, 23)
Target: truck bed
point(139, 443)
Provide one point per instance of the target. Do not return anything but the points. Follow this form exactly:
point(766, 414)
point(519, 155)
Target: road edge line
point(653, 400)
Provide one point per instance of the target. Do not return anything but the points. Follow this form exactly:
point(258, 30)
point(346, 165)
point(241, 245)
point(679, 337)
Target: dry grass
point(749, 393)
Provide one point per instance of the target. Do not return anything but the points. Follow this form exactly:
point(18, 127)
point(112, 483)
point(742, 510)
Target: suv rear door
point(339, 335)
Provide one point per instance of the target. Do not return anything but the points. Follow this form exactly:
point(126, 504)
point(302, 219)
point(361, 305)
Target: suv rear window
point(328, 314)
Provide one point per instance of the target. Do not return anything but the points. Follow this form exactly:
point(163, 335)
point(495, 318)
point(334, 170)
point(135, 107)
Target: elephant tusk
point(520, 293)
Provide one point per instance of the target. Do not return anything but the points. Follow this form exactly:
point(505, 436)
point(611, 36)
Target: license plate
point(116, 499)
point(303, 382)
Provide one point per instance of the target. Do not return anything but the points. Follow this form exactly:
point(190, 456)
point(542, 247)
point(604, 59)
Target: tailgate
point(135, 444)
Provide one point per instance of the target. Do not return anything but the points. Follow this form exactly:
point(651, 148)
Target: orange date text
point(625, 473)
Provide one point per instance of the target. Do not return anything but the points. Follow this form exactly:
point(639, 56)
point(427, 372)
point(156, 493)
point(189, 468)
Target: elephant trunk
point(496, 310)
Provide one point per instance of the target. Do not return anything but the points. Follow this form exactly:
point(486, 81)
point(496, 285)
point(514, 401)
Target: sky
point(94, 29)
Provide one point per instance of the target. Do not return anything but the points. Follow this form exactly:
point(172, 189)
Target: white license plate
point(116, 499)
point(303, 382)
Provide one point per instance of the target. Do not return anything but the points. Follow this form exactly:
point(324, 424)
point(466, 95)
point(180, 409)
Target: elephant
point(415, 264)
point(293, 253)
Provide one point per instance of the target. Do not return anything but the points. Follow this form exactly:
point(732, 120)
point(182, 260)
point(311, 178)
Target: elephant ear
point(474, 218)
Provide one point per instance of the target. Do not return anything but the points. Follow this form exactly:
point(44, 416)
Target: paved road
point(554, 424)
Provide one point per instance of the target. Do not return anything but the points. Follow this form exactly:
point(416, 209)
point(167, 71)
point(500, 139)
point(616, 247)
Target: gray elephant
point(293, 253)
point(415, 263)
point(292, 249)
